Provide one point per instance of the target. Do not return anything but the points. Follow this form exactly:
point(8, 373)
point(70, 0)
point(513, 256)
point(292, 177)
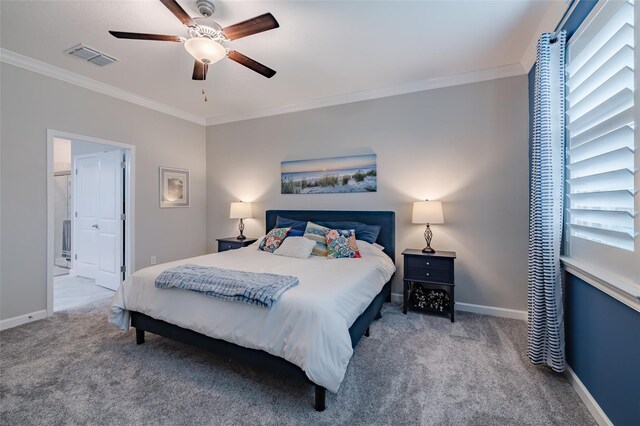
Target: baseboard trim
point(396, 298)
point(592, 405)
point(492, 311)
point(22, 319)
point(479, 309)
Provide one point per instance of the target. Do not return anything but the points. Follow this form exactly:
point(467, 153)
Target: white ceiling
point(322, 48)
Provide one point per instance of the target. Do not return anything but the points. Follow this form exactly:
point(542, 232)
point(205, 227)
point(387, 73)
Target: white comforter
point(308, 326)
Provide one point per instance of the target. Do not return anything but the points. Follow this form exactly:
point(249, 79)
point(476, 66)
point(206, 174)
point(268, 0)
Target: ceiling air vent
point(90, 55)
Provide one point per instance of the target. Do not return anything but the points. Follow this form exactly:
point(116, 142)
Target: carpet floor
point(75, 368)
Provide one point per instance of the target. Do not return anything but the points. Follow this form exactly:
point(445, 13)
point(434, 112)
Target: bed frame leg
point(378, 316)
point(139, 336)
point(321, 398)
point(366, 332)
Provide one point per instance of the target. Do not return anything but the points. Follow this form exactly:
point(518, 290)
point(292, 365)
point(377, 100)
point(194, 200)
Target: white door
point(110, 208)
point(86, 220)
point(101, 204)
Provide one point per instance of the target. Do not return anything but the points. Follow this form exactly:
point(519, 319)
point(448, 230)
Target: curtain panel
point(546, 206)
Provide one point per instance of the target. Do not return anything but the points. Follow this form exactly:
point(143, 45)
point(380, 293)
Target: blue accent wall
point(603, 349)
point(602, 334)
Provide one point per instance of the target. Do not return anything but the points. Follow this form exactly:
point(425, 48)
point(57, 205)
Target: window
point(601, 226)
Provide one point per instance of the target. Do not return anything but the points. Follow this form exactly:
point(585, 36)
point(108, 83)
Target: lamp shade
point(427, 212)
point(240, 210)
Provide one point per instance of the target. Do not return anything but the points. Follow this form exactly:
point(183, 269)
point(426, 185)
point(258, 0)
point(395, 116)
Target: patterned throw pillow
point(342, 243)
point(318, 234)
point(273, 239)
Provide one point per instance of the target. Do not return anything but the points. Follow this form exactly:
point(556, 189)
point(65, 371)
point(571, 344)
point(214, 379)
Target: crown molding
point(416, 86)
point(25, 62)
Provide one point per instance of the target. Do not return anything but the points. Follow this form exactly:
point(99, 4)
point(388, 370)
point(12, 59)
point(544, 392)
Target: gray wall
point(464, 145)
point(30, 104)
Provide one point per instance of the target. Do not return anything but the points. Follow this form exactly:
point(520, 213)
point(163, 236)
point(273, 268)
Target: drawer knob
point(427, 263)
point(427, 274)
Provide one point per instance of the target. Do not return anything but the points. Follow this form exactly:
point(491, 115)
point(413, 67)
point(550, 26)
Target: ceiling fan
point(205, 42)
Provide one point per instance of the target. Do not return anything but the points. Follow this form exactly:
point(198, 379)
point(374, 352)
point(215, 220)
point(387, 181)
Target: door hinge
point(76, 214)
point(75, 257)
point(123, 165)
point(76, 172)
point(123, 216)
point(123, 269)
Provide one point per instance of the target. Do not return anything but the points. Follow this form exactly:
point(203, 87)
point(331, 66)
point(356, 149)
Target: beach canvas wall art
point(331, 175)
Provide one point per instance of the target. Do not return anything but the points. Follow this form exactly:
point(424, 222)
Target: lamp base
point(428, 235)
point(241, 229)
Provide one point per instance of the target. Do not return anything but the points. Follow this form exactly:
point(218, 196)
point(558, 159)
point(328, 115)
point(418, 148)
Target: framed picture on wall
point(330, 175)
point(174, 187)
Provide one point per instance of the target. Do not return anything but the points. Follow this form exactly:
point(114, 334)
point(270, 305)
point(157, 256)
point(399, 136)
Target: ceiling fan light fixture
point(205, 50)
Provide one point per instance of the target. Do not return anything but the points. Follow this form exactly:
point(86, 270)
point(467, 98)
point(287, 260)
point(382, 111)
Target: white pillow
point(298, 247)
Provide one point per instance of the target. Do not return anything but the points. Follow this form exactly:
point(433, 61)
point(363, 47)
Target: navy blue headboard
point(386, 221)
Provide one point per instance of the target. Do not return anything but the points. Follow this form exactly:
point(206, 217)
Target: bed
point(309, 334)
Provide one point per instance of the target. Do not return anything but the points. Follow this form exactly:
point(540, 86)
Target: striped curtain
point(546, 203)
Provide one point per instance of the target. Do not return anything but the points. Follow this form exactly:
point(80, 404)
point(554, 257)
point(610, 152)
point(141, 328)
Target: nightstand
point(233, 243)
point(429, 282)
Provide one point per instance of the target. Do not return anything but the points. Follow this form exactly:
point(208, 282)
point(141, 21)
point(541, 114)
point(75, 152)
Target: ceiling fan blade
point(200, 70)
point(251, 26)
point(141, 36)
point(177, 10)
point(251, 64)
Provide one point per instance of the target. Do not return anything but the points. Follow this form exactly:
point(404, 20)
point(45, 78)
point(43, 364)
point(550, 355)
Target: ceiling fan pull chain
point(205, 94)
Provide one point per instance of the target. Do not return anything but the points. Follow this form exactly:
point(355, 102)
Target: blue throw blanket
point(254, 288)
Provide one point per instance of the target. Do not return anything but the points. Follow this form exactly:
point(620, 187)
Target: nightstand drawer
point(429, 262)
point(429, 274)
point(227, 246)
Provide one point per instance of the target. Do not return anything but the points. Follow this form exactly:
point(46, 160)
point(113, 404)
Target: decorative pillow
point(318, 234)
point(364, 232)
point(298, 247)
point(342, 243)
point(283, 222)
point(295, 233)
point(273, 239)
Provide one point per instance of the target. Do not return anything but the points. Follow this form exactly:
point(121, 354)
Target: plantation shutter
point(600, 124)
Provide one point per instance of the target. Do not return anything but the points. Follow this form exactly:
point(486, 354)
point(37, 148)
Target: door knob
point(95, 226)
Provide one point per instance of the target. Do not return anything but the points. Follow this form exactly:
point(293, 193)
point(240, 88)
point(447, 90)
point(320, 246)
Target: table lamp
point(240, 210)
point(427, 212)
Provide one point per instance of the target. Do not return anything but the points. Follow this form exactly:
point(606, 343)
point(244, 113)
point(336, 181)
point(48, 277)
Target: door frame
point(129, 200)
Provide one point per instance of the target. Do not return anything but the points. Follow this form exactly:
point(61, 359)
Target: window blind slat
point(609, 181)
point(622, 79)
point(598, 112)
point(621, 59)
point(610, 200)
point(623, 118)
point(619, 138)
point(617, 159)
point(603, 236)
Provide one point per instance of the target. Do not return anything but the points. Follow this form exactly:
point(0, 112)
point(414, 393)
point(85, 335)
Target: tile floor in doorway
point(70, 292)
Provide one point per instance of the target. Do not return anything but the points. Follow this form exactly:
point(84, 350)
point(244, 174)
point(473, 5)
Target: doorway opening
point(90, 219)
